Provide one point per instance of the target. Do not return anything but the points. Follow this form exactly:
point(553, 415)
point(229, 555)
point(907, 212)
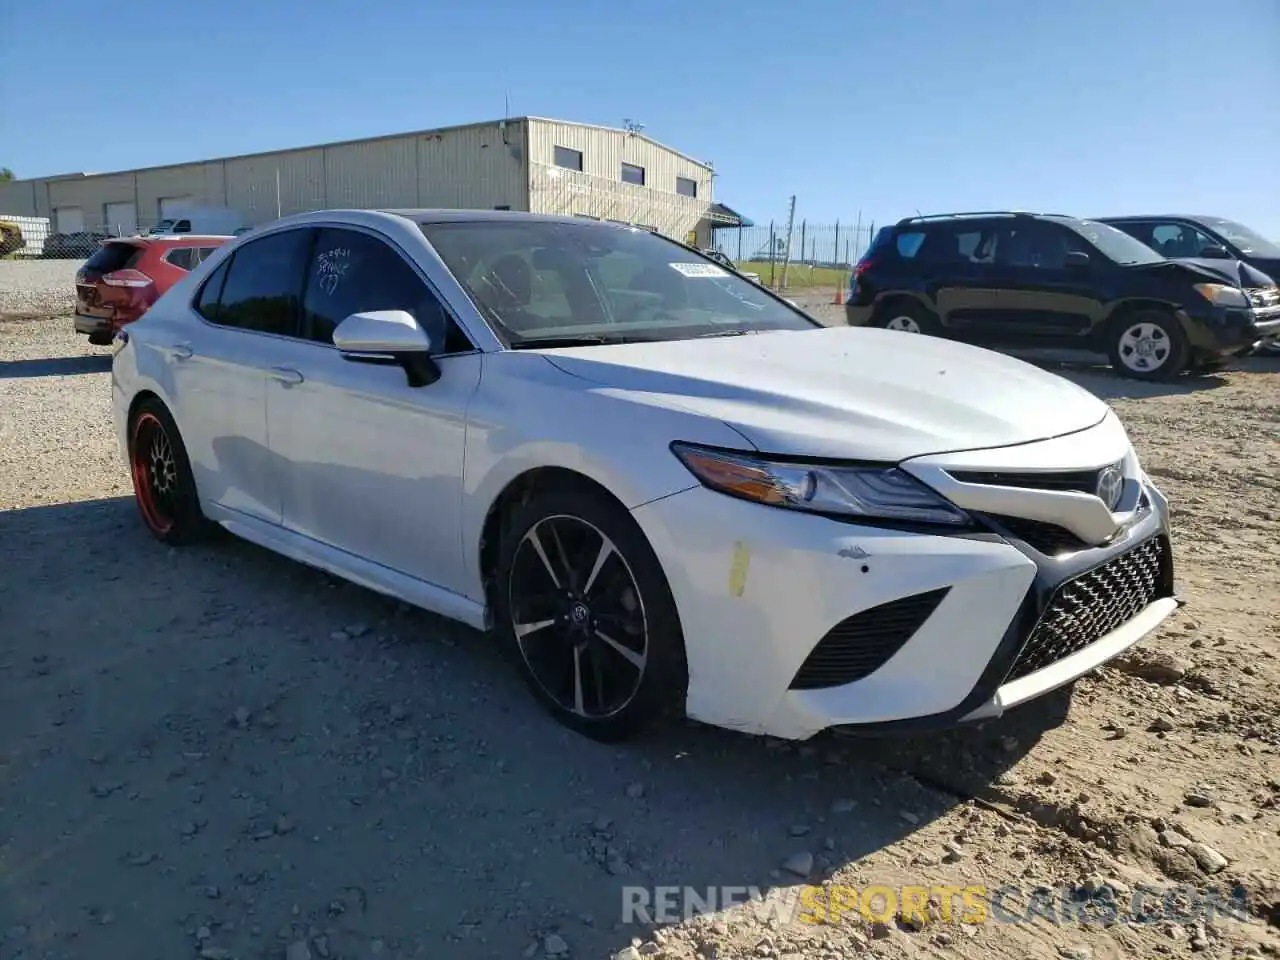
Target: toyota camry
point(663, 488)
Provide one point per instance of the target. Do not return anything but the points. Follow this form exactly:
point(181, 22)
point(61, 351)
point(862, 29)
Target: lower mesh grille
point(859, 645)
point(1093, 604)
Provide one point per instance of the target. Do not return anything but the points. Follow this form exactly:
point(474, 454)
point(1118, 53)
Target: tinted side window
point(353, 272)
point(908, 243)
point(263, 290)
point(179, 257)
point(1037, 244)
point(958, 243)
point(207, 300)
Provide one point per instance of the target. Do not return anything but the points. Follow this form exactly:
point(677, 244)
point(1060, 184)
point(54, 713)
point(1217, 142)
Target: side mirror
point(1076, 260)
point(388, 337)
point(1215, 251)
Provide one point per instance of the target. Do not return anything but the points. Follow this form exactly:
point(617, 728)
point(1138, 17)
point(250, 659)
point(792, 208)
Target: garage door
point(173, 207)
point(69, 219)
point(122, 219)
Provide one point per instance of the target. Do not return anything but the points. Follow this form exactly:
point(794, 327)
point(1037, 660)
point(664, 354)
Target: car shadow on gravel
point(55, 366)
point(218, 748)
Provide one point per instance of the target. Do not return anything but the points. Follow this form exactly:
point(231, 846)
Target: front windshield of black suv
point(547, 282)
point(1249, 241)
point(1111, 242)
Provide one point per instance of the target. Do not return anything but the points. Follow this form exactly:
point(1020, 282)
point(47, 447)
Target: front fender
point(529, 415)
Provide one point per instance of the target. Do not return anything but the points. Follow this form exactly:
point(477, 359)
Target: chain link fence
point(820, 255)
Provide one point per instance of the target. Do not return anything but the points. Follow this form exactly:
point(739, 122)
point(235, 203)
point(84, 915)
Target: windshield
point(1249, 241)
point(1113, 243)
point(543, 281)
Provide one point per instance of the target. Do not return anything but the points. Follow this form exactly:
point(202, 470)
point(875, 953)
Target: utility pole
point(786, 257)
point(277, 193)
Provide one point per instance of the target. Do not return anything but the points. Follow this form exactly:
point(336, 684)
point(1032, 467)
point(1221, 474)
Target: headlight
point(884, 493)
point(1222, 294)
point(119, 341)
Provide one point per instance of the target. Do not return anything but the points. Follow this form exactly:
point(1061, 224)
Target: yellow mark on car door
point(738, 569)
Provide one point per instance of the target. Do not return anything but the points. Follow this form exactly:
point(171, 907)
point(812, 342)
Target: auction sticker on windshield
point(699, 269)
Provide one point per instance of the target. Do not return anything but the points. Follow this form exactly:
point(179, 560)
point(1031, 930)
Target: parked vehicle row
point(1040, 280)
point(661, 485)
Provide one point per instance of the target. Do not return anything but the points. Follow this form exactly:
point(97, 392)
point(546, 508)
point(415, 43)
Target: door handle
point(182, 351)
point(286, 375)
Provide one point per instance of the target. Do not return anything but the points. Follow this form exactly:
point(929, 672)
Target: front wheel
point(906, 318)
point(583, 600)
point(1148, 345)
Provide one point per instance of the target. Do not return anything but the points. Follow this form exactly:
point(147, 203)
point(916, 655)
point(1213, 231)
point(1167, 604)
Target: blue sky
point(879, 106)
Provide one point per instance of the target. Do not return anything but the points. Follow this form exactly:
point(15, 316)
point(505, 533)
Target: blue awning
point(723, 217)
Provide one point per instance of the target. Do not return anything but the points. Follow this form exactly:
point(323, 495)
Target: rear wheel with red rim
point(162, 482)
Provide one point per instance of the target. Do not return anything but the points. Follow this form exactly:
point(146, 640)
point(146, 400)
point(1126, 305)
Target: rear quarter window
point(114, 256)
point(908, 243)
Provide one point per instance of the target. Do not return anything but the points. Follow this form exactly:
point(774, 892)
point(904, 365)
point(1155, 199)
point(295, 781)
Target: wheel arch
point(517, 491)
point(139, 398)
point(1127, 308)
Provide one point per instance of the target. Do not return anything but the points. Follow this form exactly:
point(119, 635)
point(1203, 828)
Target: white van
point(210, 221)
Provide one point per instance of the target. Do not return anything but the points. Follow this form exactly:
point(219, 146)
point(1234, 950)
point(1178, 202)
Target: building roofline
point(342, 143)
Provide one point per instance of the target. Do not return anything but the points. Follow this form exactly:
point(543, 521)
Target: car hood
point(1237, 272)
point(845, 393)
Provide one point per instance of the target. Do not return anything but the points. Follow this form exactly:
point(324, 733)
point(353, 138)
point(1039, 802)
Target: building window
point(686, 187)
point(569, 159)
point(633, 174)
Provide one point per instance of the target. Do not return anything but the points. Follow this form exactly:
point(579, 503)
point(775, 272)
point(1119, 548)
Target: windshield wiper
point(580, 341)
point(725, 333)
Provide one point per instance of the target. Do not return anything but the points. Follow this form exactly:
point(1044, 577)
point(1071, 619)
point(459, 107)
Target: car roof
point(1193, 217)
point(492, 216)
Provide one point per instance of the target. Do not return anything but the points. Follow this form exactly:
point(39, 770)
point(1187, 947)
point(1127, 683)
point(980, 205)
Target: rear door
point(251, 312)
point(955, 261)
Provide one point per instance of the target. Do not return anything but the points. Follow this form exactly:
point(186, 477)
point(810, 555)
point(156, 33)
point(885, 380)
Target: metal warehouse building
point(523, 163)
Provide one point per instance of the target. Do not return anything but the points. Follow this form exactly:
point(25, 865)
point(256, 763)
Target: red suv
point(118, 283)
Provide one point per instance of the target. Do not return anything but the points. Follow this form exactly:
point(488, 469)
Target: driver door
point(373, 466)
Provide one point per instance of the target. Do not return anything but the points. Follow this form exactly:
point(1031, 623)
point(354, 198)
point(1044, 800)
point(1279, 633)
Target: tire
point(605, 655)
point(906, 316)
point(1148, 345)
point(163, 485)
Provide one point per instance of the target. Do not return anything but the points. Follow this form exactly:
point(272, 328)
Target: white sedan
point(664, 488)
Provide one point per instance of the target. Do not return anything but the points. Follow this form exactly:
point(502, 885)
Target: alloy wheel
point(1145, 347)
point(155, 473)
point(578, 617)
point(903, 324)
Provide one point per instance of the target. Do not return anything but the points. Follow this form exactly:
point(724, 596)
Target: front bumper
point(757, 589)
point(1228, 331)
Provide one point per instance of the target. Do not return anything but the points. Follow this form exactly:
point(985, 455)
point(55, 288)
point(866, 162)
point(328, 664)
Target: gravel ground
point(217, 753)
point(37, 287)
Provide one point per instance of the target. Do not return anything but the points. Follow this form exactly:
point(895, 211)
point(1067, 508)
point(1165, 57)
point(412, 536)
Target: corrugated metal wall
point(598, 190)
point(480, 167)
point(604, 152)
point(381, 173)
point(205, 183)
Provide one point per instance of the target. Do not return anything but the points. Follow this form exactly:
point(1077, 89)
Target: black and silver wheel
point(162, 482)
point(585, 603)
point(906, 317)
point(1148, 345)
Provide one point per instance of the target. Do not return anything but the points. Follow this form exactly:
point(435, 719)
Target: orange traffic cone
point(839, 300)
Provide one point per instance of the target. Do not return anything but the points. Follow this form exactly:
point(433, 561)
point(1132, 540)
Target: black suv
point(1046, 280)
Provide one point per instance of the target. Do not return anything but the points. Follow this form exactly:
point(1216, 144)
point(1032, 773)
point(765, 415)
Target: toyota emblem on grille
point(1110, 486)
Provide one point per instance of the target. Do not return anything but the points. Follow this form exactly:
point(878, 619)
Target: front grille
point(1078, 481)
point(1049, 538)
point(1264, 296)
point(859, 645)
point(1087, 607)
